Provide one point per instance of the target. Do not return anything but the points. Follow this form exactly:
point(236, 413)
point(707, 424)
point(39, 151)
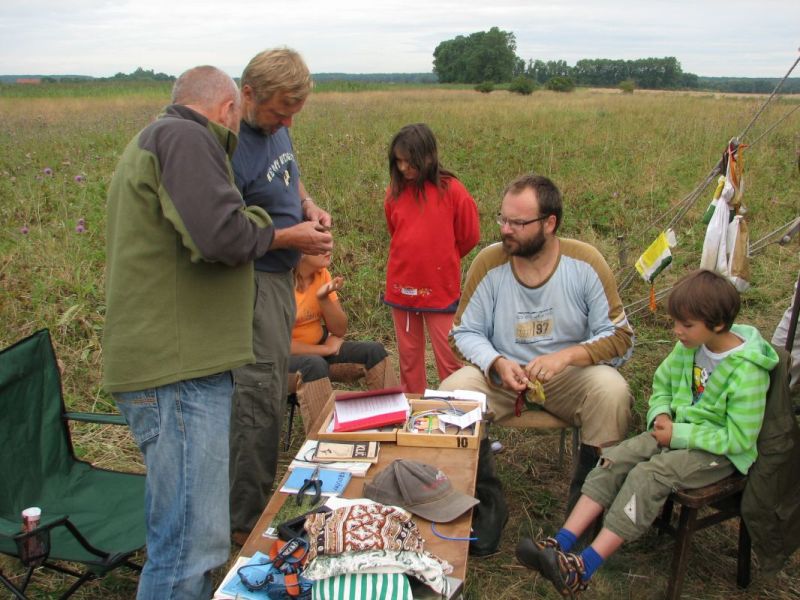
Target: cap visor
point(445, 509)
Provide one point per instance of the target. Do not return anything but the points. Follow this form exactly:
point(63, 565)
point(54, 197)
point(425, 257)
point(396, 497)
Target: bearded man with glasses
point(540, 308)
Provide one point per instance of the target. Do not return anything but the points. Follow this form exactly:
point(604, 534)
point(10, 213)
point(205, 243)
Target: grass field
point(623, 162)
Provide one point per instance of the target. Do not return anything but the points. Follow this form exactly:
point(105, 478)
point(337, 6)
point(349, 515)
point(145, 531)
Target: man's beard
point(249, 117)
point(527, 249)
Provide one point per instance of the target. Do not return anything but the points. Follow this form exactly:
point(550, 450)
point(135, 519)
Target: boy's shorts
point(633, 479)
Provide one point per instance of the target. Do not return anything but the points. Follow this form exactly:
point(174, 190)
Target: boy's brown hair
point(705, 296)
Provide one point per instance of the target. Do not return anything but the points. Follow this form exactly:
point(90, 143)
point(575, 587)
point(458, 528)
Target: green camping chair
point(90, 516)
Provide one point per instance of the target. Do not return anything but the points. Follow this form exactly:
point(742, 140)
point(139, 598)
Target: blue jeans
point(182, 431)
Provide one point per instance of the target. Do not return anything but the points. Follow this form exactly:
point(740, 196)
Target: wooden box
point(386, 434)
point(436, 439)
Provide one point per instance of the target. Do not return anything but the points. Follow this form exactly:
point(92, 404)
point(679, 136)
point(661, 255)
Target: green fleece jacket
point(727, 418)
point(180, 248)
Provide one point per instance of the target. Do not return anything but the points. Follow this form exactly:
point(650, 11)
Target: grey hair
point(204, 86)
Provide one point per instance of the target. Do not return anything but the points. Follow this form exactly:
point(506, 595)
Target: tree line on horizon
point(489, 57)
point(486, 58)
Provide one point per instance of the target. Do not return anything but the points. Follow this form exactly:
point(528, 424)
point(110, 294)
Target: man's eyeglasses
point(517, 224)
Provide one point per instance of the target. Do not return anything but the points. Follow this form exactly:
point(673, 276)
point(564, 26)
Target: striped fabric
point(727, 418)
point(363, 586)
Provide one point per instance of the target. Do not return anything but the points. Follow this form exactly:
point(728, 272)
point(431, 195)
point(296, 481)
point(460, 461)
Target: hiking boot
point(565, 571)
point(530, 552)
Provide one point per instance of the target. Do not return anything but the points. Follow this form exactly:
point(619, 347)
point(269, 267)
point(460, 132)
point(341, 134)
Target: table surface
point(459, 464)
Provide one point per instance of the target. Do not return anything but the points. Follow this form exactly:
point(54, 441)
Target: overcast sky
point(102, 37)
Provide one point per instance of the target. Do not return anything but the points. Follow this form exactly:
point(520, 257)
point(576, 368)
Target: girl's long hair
point(418, 143)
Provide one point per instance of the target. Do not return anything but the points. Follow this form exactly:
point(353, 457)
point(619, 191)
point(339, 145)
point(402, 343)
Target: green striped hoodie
point(727, 418)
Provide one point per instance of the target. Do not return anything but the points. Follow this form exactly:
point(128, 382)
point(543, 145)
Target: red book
point(356, 411)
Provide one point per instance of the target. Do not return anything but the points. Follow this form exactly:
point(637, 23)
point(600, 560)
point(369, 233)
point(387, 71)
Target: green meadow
point(624, 163)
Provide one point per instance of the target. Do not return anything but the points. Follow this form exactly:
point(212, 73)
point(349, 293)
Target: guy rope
point(727, 172)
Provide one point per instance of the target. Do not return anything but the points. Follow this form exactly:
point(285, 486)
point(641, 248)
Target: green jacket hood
point(756, 349)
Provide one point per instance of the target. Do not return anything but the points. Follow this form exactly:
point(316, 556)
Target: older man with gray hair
point(179, 297)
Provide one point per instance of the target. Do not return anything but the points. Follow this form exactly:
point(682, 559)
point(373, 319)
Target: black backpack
point(491, 515)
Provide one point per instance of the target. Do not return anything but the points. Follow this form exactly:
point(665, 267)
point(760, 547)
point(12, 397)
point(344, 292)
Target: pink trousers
point(409, 330)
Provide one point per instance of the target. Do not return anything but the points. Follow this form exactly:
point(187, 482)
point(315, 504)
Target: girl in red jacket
point(433, 223)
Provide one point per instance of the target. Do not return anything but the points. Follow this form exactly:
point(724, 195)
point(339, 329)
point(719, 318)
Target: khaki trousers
point(594, 398)
point(259, 401)
point(633, 480)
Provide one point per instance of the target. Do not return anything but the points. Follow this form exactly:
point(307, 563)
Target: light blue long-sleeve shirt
point(577, 305)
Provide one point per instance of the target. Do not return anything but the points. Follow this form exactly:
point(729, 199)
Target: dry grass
point(536, 489)
point(621, 160)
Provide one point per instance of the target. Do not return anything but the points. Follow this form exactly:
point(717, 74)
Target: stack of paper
point(461, 395)
point(356, 411)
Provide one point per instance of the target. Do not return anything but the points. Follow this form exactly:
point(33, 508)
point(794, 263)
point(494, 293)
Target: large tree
point(480, 56)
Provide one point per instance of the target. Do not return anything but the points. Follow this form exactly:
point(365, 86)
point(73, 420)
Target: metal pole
point(793, 318)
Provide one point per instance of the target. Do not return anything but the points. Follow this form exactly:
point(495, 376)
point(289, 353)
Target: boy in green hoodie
point(704, 416)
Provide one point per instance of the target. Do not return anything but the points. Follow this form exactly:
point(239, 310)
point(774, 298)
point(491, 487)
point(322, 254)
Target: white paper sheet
point(467, 395)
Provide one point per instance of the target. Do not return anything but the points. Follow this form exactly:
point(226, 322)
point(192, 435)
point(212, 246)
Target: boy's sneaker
point(564, 570)
point(567, 574)
point(530, 552)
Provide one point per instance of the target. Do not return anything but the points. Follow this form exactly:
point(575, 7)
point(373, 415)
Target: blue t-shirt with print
point(268, 176)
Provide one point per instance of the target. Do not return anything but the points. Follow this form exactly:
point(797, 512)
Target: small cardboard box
point(385, 434)
point(436, 439)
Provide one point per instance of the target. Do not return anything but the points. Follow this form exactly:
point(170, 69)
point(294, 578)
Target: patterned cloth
point(371, 538)
point(362, 527)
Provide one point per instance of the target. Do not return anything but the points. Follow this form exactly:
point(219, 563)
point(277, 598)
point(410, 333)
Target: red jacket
point(430, 235)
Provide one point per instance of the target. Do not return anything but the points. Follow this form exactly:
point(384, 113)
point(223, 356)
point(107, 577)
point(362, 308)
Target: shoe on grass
point(529, 552)
point(567, 572)
point(563, 569)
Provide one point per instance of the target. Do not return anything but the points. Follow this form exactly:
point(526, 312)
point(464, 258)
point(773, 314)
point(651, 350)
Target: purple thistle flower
point(79, 229)
point(81, 221)
point(79, 178)
point(24, 230)
point(47, 171)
